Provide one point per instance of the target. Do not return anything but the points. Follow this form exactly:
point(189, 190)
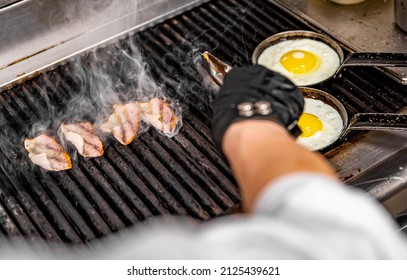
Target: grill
point(154, 175)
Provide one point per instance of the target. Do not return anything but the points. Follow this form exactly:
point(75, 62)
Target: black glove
point(256, 92)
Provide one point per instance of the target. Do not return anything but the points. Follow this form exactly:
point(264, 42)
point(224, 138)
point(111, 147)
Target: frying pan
point(353, 59)
point(359, 121)
point(217, 69)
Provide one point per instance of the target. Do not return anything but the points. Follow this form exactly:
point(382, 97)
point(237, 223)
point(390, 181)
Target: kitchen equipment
point(400, 13)
point(356, 27)
point(155, 175)
point(359, 121)
point(353, 59)
point(217, 69)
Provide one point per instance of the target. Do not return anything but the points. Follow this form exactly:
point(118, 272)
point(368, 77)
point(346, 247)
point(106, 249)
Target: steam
point(118, 74)
point(99, 79)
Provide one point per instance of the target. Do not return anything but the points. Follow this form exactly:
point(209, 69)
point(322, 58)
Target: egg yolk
point(299, 61)
point(309, 124)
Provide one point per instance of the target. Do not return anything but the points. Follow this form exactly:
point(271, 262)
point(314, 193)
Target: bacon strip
point(83, 137)
point(159, 114)
point(124, 122)
point(46, 152)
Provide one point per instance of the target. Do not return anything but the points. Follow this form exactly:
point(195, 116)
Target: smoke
point(105, 78)
point(89, 86)
point(115, 74)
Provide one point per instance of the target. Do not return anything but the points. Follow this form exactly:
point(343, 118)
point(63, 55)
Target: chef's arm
point(254, 126)
point(260, 151)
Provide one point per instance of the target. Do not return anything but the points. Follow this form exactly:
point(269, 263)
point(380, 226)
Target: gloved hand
point(256, 92)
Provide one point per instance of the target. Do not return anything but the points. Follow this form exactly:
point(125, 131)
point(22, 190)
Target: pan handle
point(378, 121)
point(374, 59)
point(217, 69)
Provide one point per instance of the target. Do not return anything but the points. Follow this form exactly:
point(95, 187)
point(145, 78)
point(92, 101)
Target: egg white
point(332, 125)
point(329, 60)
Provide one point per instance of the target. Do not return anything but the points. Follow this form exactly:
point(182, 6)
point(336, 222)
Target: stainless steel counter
point(368, 26)
point(37, 34)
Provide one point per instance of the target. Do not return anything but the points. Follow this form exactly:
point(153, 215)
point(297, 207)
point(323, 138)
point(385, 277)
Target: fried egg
point(320, 123)
point(304, 61)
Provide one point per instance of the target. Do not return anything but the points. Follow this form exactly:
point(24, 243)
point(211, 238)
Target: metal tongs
point(218, 69)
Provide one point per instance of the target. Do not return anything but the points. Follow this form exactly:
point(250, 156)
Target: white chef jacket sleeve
point(300, 216)
point(326, 219)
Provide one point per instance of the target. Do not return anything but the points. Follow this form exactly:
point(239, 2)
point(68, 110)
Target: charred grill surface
point(154, 175)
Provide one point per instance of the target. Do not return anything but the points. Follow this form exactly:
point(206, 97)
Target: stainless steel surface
point(386, 182)
point(369, 153)
point(37, 34)
point(365, 27)
point(5, 3)
point(400, 13)
point(215, 67)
